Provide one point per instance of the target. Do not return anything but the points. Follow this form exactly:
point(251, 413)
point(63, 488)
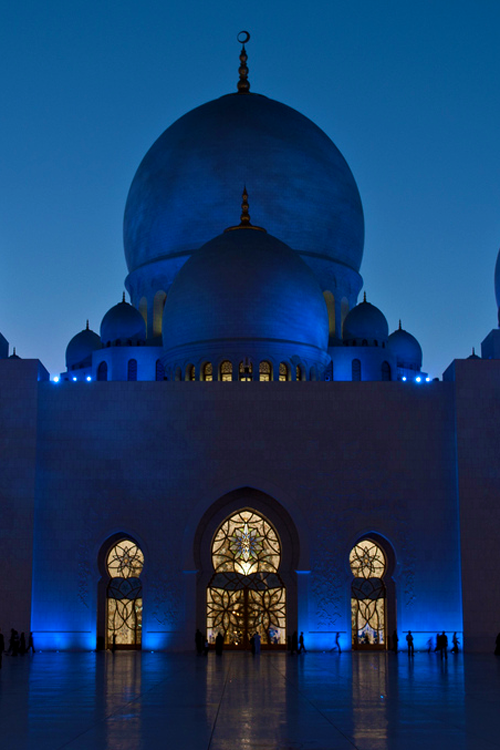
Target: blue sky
point(407, 90)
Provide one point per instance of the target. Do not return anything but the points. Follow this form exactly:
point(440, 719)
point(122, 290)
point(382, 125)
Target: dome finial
point(245, 216)
point(123, 298)
point(400, 327)
point(243, 83)
point(364, 296)
point(87, 326)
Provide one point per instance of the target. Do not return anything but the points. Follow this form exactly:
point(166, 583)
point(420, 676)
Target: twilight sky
point(409, 92)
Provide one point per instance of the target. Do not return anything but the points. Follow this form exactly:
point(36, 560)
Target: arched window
point(124, 565)
point(386, 371)
point(143, 309)
point(265, 372)
point(298, 373)
point(328, 376)
point(330, 306)
point(245, 371)
point(158, 305)
point(356, 369)
point(178, 373)
point(160, 370)
point(364, 342)
point(102, 371)
point(190, 372)
point(284, 372)
point(246, 594)
point(312, 374)
point(368, 595)
point(207, 371)
point(132, 369)
point(226, 371)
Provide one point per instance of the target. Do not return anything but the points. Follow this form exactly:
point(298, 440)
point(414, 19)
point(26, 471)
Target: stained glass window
point(208, 373)
point(190, 372)
point(283, 371)
point(124, 565)
point(368, 595)
point(246, 371)
point(265, 371)
point(246, 594)
point(298, 373)
point(226, 371)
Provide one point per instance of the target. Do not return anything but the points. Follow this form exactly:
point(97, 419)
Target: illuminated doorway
point(246, 594)
point(368, 564)
point(124, 564)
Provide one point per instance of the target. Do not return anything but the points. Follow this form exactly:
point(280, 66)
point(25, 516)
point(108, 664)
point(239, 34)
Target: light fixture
point(88, 378)
point(418, 379)
point(56, 379)
point(75, 379)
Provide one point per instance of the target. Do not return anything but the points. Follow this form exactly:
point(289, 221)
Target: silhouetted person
point(2, 647)
point(438, 642)
point(256, 642)
point(456, 644)
point(219, 644)
point(22, 644)
point(337, 644)
point(497, 645)
point(409, 641)
point(13, 642)
point(443, 645)
point(199, 641)
point(295, 643)
point(31, 644)
point(395, 642)
point(206, 647)
point(302, 648)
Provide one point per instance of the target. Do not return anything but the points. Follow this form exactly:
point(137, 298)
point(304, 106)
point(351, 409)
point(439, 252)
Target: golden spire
point(243, 83)
point(245, 216)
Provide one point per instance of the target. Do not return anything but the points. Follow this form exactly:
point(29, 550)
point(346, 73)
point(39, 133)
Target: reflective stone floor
point(272, 702)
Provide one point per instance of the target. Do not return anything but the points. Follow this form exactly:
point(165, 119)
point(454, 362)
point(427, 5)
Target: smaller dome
point(80, 348)
point(365, 325)
point(406, 349)
point(123, 325)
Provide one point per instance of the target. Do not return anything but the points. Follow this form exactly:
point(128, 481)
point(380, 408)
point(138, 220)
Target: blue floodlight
point(56, 379)
point(404, 377)
point(427, 380)
point(88, 378)
point(75, 379)
point(418, 379)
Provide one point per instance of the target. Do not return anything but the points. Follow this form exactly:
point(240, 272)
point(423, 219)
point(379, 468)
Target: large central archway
point(246, 551)
point(246, 594)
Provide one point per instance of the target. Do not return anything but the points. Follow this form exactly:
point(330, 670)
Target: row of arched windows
point(356, 370)
point(245, 372)
point(364, 342)
point(102, 370)
point(155, 326)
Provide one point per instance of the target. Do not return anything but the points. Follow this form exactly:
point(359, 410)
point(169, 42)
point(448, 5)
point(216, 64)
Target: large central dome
point(185, 189)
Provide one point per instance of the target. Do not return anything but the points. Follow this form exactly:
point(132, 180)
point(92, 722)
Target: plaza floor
point(132, 701)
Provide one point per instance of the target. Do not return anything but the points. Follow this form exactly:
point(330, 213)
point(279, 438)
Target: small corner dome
point(365, 322)
point(245, 288)
point(123, 325)
point(406, 349)
point(81, 346)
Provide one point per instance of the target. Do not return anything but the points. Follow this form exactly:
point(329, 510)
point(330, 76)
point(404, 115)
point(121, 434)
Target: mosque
point(244, 447)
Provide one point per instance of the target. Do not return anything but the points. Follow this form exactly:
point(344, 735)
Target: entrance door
point(246, 594)
point(124, 565)
point(368, 596)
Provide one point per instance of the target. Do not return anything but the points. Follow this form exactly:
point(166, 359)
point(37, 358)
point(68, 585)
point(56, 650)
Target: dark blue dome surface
point(365, 321)
point(186, 187)
point(81, 347)
point(406, 348)
point(497, 285)
point(246, 286)
point(123, 323)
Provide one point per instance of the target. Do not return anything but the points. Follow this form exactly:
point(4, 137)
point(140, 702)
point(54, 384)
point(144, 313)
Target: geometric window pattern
point(246, 594)
point(124, 565)
point(368, 595)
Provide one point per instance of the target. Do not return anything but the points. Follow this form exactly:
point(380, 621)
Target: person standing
point(302, 648)
point(456, 644)
point(31, 645)
point(219, 644)
point(199, 641)
point(395, 641)
point(444, 645)
point(256, 643)
point(409, 640)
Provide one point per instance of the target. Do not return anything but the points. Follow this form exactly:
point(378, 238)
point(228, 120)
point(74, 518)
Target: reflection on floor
point(132, 701)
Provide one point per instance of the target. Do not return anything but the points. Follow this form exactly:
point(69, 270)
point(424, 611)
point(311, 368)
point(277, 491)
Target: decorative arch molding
point(237, 500)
